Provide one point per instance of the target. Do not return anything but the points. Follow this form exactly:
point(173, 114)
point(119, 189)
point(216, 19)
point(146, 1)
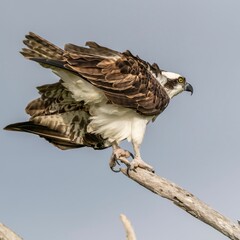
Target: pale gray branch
point(166, 189)
point(186, 201)
point(7, 234)
point(130, 234)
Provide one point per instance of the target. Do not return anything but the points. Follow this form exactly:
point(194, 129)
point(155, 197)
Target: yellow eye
point(181, 79)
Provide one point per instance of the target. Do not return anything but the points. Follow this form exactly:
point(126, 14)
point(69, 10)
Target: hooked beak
point(188, 87)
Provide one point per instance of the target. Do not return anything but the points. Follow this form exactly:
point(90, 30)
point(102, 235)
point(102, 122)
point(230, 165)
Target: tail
point(55, 137)
point(59, 139)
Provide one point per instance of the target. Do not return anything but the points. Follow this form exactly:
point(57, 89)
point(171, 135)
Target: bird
point(102, 98)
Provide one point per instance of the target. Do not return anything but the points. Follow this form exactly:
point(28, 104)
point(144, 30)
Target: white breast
point(117, 123)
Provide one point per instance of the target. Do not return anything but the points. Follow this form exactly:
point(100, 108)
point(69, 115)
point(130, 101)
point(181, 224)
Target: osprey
point(103, 97)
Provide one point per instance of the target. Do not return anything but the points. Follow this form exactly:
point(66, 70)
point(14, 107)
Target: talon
point(129, 169)
point(125, 161)
point(119, 155)
point(116, 171)
point(138, 162)
point(113, 162)
point(131, 155)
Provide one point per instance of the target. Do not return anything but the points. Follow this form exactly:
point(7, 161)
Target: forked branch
point(166, 189)
point(186, 201)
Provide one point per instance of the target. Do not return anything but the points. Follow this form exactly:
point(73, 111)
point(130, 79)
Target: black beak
point(188, 88)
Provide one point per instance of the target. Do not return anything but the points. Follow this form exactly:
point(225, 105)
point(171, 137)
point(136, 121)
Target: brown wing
point(126, 80)
point(58, 118)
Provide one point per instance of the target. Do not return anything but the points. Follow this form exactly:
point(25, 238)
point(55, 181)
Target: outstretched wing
point(126, 80)
point(58, 118)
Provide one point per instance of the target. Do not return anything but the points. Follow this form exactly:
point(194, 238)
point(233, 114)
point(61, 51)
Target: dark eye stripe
point(171, 83)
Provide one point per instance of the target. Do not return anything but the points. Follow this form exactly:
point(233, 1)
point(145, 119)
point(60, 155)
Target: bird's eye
point(181, 79)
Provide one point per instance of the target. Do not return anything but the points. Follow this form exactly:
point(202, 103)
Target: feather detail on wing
point(41, 48)
point(126, 80)
point(58, 118)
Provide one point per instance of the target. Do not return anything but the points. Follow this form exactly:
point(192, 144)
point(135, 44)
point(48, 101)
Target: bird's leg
point(137, 161)
point(119, 154)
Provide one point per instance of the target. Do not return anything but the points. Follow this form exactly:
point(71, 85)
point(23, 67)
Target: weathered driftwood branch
point(130, 234)
point(7, 234)
point(186, 201)
point(166, 189)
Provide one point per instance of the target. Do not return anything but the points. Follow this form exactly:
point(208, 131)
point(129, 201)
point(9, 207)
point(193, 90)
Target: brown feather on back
point(126, 80)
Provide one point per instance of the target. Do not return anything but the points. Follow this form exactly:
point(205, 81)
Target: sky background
point(47, 193)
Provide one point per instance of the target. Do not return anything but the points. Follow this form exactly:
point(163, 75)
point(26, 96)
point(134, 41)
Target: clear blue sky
point(51, 194)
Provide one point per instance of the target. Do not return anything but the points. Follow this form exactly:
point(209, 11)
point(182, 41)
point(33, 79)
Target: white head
point(174, 83)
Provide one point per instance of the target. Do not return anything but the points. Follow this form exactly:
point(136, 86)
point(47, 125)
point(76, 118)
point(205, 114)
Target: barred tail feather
point(52, 136)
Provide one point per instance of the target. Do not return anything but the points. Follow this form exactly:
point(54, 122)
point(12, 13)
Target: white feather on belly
point(117, 123)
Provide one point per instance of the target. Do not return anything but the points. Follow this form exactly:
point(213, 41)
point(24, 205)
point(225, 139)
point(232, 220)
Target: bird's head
point(174, 84)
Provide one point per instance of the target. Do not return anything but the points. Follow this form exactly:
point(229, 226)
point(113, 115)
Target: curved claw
point(112, 165)
point(129, 169)
point(119, 155)
point(131, 154)
point(116, 171)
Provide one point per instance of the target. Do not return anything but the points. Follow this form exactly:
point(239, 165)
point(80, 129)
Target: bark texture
point(185, 200)
point(7, 234)
point(166, 189)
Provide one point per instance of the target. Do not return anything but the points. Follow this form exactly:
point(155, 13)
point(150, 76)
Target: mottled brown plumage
point(126, 80)
point(58, 118)
point(103, 97)
point(58, 110)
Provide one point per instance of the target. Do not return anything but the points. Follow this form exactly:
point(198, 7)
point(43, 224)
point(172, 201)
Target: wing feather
point(58, 118)
point(126, 80)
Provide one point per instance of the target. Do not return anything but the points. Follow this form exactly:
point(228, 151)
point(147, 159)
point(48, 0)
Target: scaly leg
point(119, 154)
point(137, 161)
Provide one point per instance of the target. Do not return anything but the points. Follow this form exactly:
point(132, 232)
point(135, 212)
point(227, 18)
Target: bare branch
point(166, 189)
point(186, 201)
point(130, 234)
point(7, 234)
